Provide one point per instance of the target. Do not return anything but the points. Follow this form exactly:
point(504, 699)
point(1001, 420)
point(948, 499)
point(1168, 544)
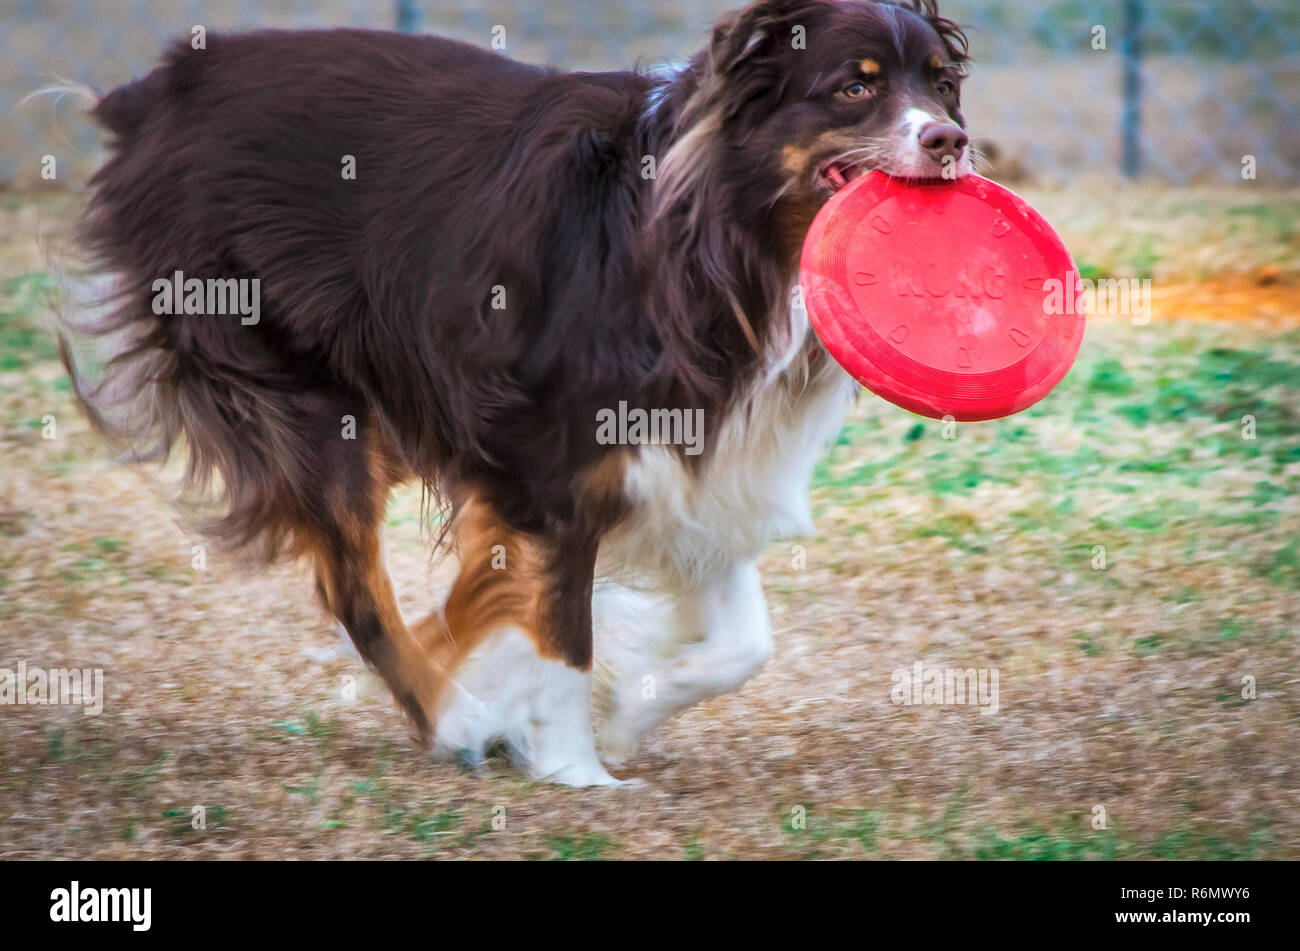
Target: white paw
point(539, 708)
point(622, 733)
point(466, 728)
point(579, 775)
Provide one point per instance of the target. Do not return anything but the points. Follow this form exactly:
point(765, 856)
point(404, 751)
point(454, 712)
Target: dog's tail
point(59, 89)
point(154, 382)
point(54, 93)
point(87, 307)
point(122, 112)
point(109, 344)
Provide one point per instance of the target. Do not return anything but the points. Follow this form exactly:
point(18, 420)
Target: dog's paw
point(623, 732)
point(580, 775)
point(466, 728)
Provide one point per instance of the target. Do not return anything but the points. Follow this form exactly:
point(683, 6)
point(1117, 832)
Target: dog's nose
point(942, 139)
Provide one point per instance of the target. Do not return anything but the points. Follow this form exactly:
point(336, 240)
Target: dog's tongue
point(841, 173)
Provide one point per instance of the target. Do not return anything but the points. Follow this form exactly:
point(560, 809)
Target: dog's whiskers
point(789, 182)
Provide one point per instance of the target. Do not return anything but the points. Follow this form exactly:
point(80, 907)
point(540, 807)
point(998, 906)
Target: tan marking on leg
point(602, 489)
point(346, 547)
point(512, 579)
point(500, 585)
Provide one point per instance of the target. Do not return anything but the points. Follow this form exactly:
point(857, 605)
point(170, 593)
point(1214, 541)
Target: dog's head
point(791, 100)
point(805, 95)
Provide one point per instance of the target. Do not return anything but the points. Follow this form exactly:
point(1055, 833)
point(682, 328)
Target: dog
point(562, 302)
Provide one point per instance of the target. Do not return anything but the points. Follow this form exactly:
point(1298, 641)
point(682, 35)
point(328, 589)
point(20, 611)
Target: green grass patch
point(24, 339)
point(577, 847)
point(1037, 845)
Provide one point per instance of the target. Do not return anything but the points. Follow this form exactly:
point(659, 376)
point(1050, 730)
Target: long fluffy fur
point(474, 172)
point(478, 181)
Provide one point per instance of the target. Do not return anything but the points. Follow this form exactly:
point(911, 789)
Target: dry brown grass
point(1119, 688)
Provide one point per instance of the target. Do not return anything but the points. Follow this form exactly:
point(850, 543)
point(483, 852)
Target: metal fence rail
point(1174, 91)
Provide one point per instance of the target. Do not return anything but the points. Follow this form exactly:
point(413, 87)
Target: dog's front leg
point(516, 634)
point(716, 636)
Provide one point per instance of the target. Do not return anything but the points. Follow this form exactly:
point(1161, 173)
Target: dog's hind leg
point(519, 617)
point(355, 587)
point(338, 527)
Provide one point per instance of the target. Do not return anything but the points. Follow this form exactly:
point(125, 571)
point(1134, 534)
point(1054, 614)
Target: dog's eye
point(946, 87)
point(855, 90)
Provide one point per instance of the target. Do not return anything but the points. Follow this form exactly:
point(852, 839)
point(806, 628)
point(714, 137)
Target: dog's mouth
point(835, 175)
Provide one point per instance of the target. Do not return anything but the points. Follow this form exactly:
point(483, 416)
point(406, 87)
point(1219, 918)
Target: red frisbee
point(936, 295)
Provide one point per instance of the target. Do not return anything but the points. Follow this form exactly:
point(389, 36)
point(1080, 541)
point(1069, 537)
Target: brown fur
point(474, 173)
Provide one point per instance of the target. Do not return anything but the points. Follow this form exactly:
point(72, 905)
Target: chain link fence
point(1173, 91)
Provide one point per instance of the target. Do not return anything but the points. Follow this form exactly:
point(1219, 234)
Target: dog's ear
point(949, 31)
point(756, 28)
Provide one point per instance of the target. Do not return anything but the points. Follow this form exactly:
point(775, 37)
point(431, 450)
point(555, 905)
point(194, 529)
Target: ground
point(1125, 555)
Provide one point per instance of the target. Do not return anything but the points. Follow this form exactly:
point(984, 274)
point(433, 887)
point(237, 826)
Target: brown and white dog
point(518, 256)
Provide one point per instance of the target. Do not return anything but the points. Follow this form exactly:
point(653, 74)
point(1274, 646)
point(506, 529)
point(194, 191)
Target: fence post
point(1131, 121)
point(408, 16)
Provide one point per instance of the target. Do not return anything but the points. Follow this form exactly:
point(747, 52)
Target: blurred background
point(1126, 552)
point(1175, 91)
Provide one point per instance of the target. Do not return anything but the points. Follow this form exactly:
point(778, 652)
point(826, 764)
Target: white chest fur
point(754, 486)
